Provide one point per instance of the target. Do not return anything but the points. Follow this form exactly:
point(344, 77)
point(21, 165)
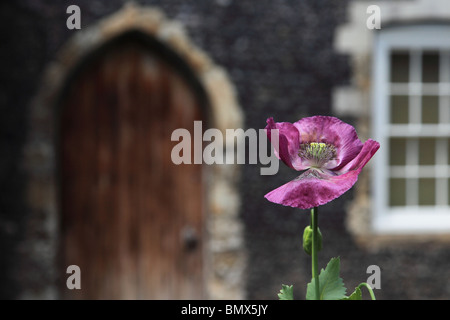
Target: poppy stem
point(315, 249)
point(364, 284)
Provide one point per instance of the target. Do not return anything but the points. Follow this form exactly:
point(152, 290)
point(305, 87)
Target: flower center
point(318, 153)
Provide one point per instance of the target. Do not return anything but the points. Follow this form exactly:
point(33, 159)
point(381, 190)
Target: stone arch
point(224, 253)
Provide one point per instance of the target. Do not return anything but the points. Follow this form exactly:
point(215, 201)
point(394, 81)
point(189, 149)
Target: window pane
point(430, 109)
point(444, 116)
point(448, 151)
point(441, 151)
point(427, 151)
point(399, 109)
point(448, 192)
point(397, 152)
point(427, 191)
point(430, 66)
point(397, 194)
point(399, 66)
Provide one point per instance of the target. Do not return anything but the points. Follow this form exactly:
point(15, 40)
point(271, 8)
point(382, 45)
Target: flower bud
point(307, 240)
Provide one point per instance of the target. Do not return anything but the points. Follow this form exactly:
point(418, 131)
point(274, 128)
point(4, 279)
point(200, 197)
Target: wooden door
point(131, 219)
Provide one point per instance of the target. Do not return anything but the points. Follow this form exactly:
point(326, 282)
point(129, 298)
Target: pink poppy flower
point(328, 152)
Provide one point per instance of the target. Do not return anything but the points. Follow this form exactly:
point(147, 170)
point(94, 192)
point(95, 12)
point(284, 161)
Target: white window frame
point(410, 218)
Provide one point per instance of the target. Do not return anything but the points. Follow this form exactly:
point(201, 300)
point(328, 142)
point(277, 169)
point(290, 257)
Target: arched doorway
point(92, 112)
point(130, 218)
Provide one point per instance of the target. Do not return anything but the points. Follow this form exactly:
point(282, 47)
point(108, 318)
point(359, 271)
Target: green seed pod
point(307, 240)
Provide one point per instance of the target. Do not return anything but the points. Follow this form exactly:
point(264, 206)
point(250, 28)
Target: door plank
point(126, 208)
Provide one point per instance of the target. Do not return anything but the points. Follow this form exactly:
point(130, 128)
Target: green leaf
point(356, 295)
point(331, 286)
point(286, 292)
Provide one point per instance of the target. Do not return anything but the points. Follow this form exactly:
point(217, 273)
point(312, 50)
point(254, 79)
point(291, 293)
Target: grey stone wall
point(281, 58)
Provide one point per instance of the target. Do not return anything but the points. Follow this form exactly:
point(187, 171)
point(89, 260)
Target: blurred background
point(86, 176)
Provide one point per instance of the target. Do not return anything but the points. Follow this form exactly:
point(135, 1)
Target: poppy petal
point(367, 152)
point(288, 143)
point(333, 131)
point(312, 189)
